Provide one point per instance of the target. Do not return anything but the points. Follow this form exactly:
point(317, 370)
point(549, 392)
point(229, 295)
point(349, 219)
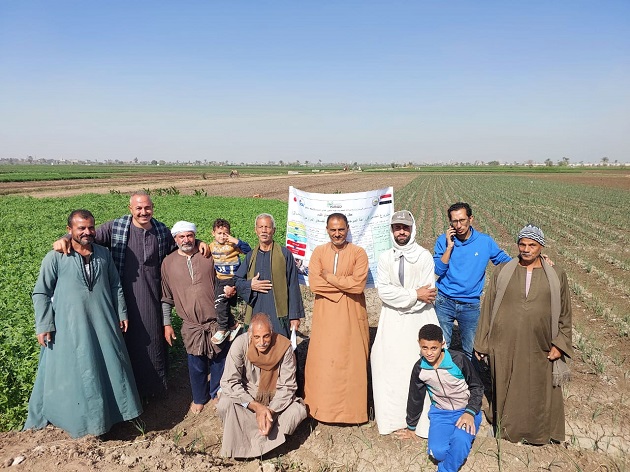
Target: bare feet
point(196, 409)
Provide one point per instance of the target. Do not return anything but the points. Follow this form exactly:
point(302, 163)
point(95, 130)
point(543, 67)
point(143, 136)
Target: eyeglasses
point(461, 222)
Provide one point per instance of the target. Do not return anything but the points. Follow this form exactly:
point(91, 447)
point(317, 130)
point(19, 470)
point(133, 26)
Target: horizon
point(366, 82)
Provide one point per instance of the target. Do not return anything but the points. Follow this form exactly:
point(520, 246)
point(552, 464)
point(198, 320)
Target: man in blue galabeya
point(461, 256)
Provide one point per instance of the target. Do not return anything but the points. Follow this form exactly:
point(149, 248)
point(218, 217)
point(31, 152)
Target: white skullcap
point(183, 226)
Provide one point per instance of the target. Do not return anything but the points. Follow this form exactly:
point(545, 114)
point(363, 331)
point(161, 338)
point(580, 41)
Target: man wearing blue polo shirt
point(461, 256)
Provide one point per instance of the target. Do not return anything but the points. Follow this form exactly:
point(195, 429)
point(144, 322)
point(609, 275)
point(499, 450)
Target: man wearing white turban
point(188, 281)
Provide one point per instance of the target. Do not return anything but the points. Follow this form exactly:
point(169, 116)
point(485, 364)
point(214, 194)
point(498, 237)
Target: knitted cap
point(532, 232)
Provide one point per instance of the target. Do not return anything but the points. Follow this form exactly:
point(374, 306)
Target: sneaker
point(220, 336)
point(234, 332)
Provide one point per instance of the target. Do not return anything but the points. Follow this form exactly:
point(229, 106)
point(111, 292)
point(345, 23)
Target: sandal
point(234, 332)
point(219, 337)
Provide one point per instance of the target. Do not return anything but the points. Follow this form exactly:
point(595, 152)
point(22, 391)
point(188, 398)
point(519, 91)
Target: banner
point(368, 213)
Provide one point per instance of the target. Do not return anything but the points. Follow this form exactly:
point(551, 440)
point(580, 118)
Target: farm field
point(584, 219)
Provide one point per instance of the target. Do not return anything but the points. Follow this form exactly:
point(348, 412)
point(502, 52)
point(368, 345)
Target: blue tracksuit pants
point(447, 444)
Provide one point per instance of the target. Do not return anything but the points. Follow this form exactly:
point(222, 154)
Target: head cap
point(402, 217)
point(183, 226)
point(532, 232)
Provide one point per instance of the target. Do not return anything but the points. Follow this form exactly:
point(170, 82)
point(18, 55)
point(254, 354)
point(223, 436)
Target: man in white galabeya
point(406, 286)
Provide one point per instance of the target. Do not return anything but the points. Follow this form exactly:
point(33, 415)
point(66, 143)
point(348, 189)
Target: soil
point(265, 186)
point(168, 437)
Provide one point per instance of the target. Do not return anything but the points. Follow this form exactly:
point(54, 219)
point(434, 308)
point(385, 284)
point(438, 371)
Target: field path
point(247, 185)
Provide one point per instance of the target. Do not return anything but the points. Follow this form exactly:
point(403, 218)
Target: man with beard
point(335, 388)
point(258, 405)
point(188, 281)
point(84, 382)
point(406, 286)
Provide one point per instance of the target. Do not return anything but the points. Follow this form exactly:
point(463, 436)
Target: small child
point(225, 251)
point(455, 391)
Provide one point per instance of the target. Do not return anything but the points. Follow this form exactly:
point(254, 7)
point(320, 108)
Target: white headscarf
point(410, 251)
point(183, 226)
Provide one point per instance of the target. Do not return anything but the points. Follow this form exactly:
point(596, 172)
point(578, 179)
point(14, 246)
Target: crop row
point(585, 227)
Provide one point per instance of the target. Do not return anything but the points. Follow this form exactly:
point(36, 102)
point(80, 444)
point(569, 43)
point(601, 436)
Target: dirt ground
point(168, 437)
point(259, 186)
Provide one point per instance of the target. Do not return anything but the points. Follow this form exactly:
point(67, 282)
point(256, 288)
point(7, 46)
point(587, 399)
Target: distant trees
point(548, 162)
point(605, 161)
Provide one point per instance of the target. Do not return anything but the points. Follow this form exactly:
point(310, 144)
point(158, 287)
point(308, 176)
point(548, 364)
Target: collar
point(447, 362)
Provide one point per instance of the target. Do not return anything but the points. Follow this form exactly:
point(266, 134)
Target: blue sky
point(336, 81)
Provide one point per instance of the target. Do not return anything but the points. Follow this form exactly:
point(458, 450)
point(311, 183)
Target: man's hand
point(467, 423)
point(294, 324)
point(324, 273)
point(264, 417)
point(554, 353)
point(426, 294)
point(481, 357)
point(262, 286)
point(547, 260)
point(229, 291)
point(406, 434)
point(63, 245)
point(450, 244)
point(169, 334)
point(124, 324)
point(204, 249)
point(450, 237)
point(44, 338)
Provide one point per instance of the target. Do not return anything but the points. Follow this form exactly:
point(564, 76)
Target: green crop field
point(28, 227)
point(583, 217)
point(38, 172)
point(585, 226)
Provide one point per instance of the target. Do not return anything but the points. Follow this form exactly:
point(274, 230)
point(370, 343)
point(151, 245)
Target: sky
point(332, 81)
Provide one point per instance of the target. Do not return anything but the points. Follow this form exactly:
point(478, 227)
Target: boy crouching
point(455, 391)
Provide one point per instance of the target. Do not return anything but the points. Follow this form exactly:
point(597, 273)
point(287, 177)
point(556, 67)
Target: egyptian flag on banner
point(385, 199)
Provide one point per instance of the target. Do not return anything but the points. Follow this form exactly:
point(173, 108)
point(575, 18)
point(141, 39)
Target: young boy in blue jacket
point(455, 391)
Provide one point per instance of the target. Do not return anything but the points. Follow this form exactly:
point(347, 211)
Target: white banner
point(368, 213)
